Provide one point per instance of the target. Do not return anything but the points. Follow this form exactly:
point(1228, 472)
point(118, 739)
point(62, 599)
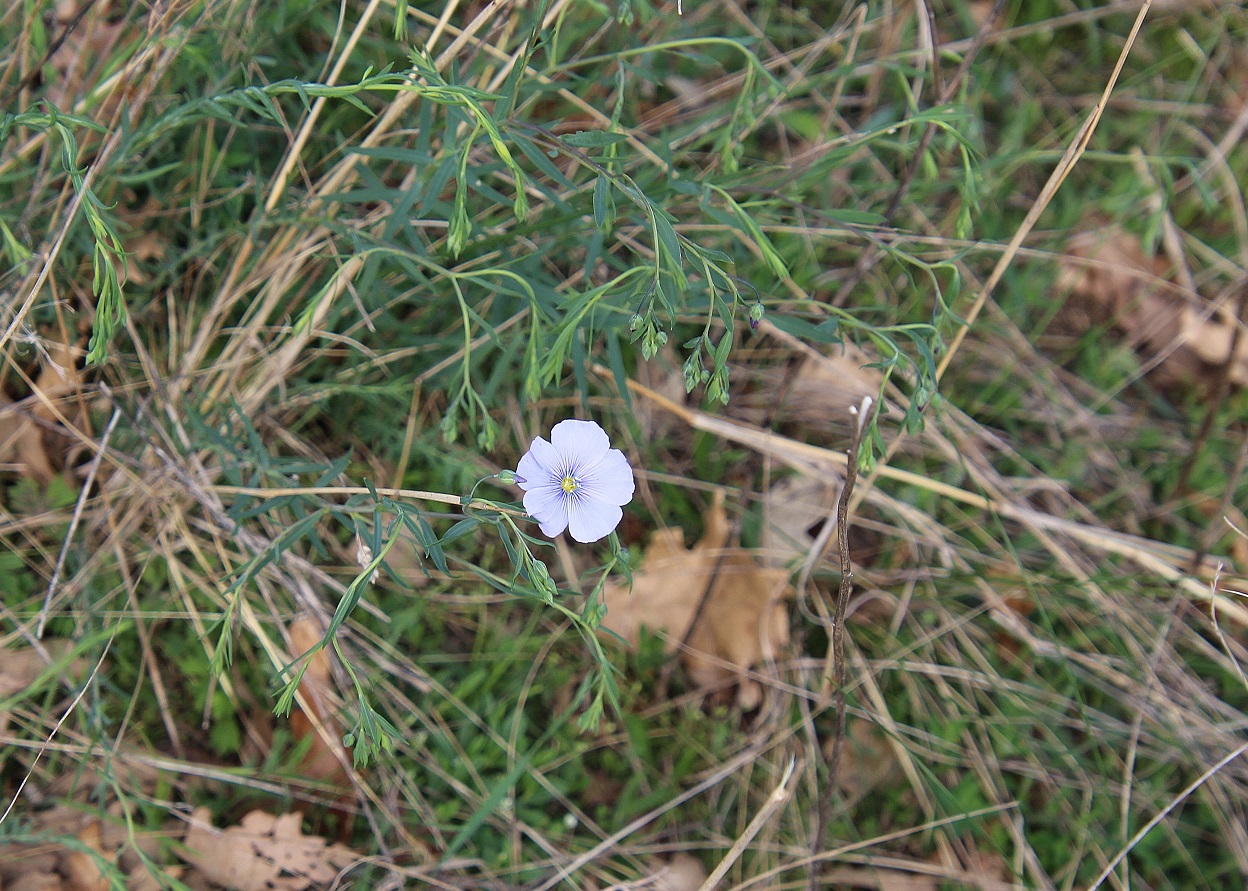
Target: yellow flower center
point(569, 484)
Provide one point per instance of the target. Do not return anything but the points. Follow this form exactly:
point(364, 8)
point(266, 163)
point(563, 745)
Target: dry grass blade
point(776, 800)
point(1064, 166)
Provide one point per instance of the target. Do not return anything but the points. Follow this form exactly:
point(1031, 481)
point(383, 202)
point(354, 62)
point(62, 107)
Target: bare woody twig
point(838, 637)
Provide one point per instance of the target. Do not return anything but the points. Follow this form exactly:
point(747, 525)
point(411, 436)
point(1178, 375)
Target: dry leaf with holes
point(793, 511)
point(743, 622)
point(264, 853)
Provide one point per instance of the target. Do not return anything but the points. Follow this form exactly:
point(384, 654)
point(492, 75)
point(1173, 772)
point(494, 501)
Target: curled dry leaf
point(264, 853)
point(1110, 280)
point(744, 621)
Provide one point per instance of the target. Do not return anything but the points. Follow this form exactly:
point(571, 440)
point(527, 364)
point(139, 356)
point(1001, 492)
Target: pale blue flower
point(576, 481)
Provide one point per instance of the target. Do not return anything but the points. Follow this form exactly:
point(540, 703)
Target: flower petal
point(580, 443)
point(549, 506)
point(540, 464)
point(590, 519)
point(610, 480)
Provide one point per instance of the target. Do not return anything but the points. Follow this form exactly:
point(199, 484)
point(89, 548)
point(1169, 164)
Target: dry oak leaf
point(744, 621)
point(265, 852)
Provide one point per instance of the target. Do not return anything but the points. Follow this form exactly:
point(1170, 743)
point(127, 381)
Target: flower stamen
point(569, 484)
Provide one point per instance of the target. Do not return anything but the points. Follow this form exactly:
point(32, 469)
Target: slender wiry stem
point(415, 494)
point(838, 635)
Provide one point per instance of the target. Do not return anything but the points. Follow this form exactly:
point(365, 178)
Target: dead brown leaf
point(820, 394)
point(1181, 338)
point(101, 844)
point(82, 870)
point(264, 853)
point(49, 865)
point(141, 249)
point(867, 759)
point(146, 238)
point(18, 861)
point(743, 622)
point(881, 878)
point(141, 879)
point(683, 873)
point(90, 39)
point(22, 436)
point(21, 443)
point(20, 668)
point(793, 509)
point(322, 761)
point(38, 881)
point(663, 375)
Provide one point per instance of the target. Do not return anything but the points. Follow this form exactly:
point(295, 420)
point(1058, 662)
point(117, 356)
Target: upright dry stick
point(838, 638)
